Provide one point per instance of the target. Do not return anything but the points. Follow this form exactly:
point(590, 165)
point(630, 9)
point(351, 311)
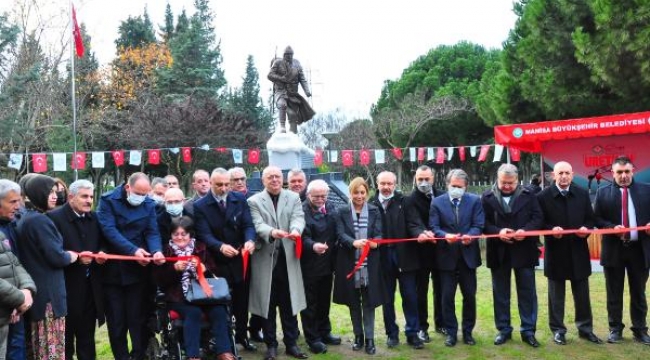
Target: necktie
point(455, 202)
point(626, 217)
point(384, 203)
point(222, 204)
point(323, 210)
point(564, 192)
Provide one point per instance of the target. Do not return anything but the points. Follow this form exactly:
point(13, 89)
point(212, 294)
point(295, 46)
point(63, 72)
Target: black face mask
point(60, 198)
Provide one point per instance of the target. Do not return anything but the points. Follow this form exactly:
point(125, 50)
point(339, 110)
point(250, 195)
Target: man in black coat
point(566, 257)
point(224, 224)
point(80, 230)
point(317, 264)
point(400, 261)
point(511, 209)
point(621, 204)
point(418, 205)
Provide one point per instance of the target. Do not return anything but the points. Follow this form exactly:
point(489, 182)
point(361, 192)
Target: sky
point(348, 48)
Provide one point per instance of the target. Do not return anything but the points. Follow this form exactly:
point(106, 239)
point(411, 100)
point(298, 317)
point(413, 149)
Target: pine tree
point(168, 28)
point(135, 32)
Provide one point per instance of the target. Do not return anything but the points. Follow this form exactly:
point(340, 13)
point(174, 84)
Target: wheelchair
point(166, 327)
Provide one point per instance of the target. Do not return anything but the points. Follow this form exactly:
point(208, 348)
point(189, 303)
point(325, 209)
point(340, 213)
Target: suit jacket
point(566, 258)
point(525, 214)
point(288, 217)
point(344, 291)
point(319, 228)
point(42, 255)
point(607, 208)
point(234, 227)
point(81, 234)
point(442, 221)
point(417, 219)
point(394, 226)
point(126, 229)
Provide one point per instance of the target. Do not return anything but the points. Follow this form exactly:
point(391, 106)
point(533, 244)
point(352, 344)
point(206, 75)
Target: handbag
point(220, 292)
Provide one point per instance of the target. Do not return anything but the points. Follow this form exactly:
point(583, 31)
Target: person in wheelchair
point(173, 278)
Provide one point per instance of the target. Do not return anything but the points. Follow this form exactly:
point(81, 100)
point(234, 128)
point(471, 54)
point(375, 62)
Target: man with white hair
point(81, 233)
point(319, 241)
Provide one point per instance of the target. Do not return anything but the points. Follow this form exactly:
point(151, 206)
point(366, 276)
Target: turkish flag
point(461, 153)
point(484, 151)
point(440, 155)
point(421, 154)
point(253, 156)
point(187, 154)
point(221, 149)
point(118, 157)
point(153, 156)
point(318, 157)
point(78, 161)
point(364, 156)
point(397, 152)
point(515, 154)
point(76, 33)
point(39, 163)
point(348, 157)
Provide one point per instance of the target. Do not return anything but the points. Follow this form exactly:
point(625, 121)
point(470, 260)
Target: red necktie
point(626, 217)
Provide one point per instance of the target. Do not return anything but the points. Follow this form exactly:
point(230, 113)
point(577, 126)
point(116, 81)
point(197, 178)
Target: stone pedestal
point(287, 151)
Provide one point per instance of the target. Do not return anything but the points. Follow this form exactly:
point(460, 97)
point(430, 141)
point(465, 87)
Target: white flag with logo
point(135, 157)
point(237, 156)
point(15, 161)
point(498, 151)
point(98, 159)
point(450, 153)
point(334, 156)
point(58, 162)
point(472, 151)
point(380, 156)
point(412, 157)
point(430, 154)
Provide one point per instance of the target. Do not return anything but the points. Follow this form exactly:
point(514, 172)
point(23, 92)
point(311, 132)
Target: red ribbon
point(244, 261)
point(298, 240)
point(199, 266)
point(366, 248)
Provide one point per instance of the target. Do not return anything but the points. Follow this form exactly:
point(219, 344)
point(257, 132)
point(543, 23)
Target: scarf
point(507, 209)
point(190, 270)
point(360, 232)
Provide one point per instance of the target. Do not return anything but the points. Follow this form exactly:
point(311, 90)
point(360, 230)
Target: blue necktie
point(455, 202)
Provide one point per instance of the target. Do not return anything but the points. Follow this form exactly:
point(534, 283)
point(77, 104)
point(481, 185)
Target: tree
point(312, 131)
point(135, 32)
point(359, 134)
point(247, 101)
point(8, 36)
point(168, 28)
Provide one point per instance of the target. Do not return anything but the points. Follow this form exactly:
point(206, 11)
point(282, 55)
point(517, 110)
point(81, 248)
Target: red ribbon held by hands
point(244, 260)
point(298, 240)
point(364, 254)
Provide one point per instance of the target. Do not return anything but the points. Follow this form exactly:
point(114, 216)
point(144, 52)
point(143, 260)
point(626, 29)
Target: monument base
point(287, 151)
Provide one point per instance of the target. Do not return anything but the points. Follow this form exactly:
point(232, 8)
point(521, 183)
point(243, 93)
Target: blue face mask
point(135, 199)
point(456, 193)
point(174, 209)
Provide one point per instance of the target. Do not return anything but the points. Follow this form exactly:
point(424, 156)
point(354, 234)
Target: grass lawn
point(484, 333)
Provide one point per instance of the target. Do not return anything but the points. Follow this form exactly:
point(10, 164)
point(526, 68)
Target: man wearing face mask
point(419, 203)
point(511, 209)
point(173, 208)
point(127, 217)
point(223, 222)
point(456, 217)
point(400, 262)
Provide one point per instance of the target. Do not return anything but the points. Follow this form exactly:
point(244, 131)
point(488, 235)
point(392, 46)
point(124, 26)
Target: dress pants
point(280, 297)
point(240, 308)
point(316, 317)
point(80, 324)
point(422, 285)
point(637, 277)
point(407, 289)
point(556, 300)
point(362, 315)
point(124, 304)
point(526, 298)
point(464, 277)
point(16, 346)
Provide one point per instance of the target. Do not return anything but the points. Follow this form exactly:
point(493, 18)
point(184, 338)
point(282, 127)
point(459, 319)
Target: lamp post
point(329, 136)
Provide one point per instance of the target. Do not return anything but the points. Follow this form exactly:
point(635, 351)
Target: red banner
point(253, 156)
point(397, 152)
point(461, 153)
point(118, 157)
point(318, 157)
point(364, 156)
point(39, 163)
point(187, 154)
point(154, 156)
point(78, 161)
point(348, 157)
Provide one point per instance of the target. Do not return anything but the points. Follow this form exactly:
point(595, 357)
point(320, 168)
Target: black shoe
point(256, 335)
point(370, 347)
point(590, 336)
point(424, 336)
point(441, 330)
point(415, 342)
point(642, 337)
point(358, 342)
point(271, 353)
point(295, 352)
point(559, 338)
point(502, 338)
point(392, 341)
point(468, 339)
point(247, 344)
point(317, 347)
point(530, 340)
point(615, 337)
point(450, 340)
point(330, 339)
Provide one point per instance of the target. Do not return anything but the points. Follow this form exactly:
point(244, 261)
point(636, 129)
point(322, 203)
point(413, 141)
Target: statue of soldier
point(286, 73)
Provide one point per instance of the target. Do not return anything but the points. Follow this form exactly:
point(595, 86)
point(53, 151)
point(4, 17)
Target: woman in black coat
point(357, 225)
point(42, 255)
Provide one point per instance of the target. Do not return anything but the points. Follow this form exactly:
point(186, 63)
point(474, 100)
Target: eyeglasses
point(318, 196)
point(173, 202)
point(180, 234)
point(619, 172)
point(238, 179)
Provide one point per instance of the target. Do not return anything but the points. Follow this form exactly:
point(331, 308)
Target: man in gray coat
point(277, 280)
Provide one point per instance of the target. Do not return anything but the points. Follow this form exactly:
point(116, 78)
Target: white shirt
point(631, 214)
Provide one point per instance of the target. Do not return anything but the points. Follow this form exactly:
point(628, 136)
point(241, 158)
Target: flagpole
point(74, 101)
